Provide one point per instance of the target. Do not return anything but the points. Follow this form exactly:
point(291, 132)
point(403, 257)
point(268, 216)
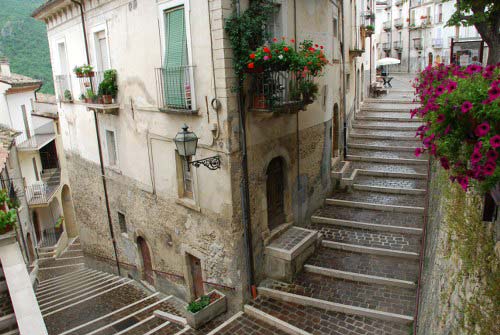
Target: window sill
point(181, 111)
point(189, 203)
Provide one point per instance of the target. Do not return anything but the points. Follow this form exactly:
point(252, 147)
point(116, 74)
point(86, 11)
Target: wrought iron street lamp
point(187, 143)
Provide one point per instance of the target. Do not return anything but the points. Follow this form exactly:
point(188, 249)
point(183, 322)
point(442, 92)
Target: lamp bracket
point(212, 163)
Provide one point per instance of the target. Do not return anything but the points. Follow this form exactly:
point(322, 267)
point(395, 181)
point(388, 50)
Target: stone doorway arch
point(275, 191)
point(147, 264)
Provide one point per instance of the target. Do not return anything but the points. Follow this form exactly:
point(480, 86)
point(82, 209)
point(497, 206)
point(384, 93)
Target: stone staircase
point(362, 278)
point(8, 324)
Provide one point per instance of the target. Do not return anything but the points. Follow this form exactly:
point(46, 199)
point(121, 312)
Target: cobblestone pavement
point(381, 198)
point(404, 183)
point(246, 325)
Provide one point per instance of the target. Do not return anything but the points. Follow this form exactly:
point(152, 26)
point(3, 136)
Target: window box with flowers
point(8, 215)
point(283, 78)
point(205, 309)
point(460, 110)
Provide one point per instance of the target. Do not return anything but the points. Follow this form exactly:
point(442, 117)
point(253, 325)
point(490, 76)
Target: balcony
point(398, 45)
point(386, 46)
point(40, 194)
point(426, 22)
point(437, 43)
point(417, 43)
point(387, 26)
point(280, 92)
point(40, 137)
point(63, 86)
point(398, 23)
point(174, 89)
point(91, 97)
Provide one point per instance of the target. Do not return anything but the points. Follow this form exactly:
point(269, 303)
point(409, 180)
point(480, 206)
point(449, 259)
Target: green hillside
point(24, 41)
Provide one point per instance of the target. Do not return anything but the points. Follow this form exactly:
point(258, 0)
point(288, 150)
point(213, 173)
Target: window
point(35, 169)
point(122, 222)
point(335, 27)
point(111, 146)
point(412, 18)
point(348, 82)
point(187, 179)
point(101, 47)
point(440, 13)
point(274, 26)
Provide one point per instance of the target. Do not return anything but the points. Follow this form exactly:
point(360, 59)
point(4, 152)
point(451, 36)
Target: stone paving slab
point(382, 154)
point(403, 183)
point(412, 220)
point(405, 114)
point(320, 322)
point(290, 239)
point(373, 296)
point(386, 167)
point(397, 124)
point(247, 325)
point(369, 238)
point(52, 273)
point(374, 265)
point(387, 133)
point(385, 143)
point(380, 198)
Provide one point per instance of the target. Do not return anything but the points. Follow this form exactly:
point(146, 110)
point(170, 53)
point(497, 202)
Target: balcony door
point(48, 156)
point(177, 76)
point(147, 265)
point(275, 187)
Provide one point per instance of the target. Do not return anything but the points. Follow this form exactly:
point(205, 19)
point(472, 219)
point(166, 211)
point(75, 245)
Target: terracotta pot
point(88, 100)
point(107, 99)
point(259, 69)
point(79, 75)
point(5, 230)
point(259, 101)
point(89, 75)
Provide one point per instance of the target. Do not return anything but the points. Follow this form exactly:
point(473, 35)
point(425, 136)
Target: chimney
point(4, 67)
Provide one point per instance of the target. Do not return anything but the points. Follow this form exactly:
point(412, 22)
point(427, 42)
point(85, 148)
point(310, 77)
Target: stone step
point(254, 321)
point(370, 250)
point(375, 206)
point(357, 277)
point(366, 226)
point(70, 284)
point(375, 301)
point(413, 171)
point(406, 135)
point(381, 101)
point(384, 157)
point(61, 261)
point(323, 321)
point(386, 116)
point(389, 190)
point(11, 332)
point(405, 155)
point(383, 143)
point(54, 281)
point(368, 238)
point(367, 215)
point(8, 321)
point(385, 125)
point(366, 264)
point(390, 182)
point(361, 146)
point(379, 198)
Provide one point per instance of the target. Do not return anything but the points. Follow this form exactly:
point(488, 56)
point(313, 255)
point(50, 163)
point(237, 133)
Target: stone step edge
point(63, 277)
point(332, 306)
point(383, 127)
point(384, 137)
point(7, 321)
point(72, 281)
point(72, 285)
point(380, 207)
point(359, 277)
point(385, 118)
point(12, 332)
point(349, 181)
point(409, 161)
point(170, 317)
point(389, 190)
point(379, 147)
point(226, 323)
point(369, 250)
point(273, 321)
point(367, 226)
point(340, 174)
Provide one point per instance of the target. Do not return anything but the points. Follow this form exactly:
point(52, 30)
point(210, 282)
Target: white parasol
point(388, 61)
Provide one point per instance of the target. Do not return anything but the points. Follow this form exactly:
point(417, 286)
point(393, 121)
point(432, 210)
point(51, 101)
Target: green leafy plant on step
point(198, 305)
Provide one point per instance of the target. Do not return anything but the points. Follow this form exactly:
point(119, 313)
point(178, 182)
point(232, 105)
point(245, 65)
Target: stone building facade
point(177, 229)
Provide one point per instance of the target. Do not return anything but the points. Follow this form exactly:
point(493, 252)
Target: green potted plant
point(78, 71)
point(309, 90)
point(370, 29)
point(108, 87)
point(87, 71)
point(90, 96)
point(206, 308)
point(68, 96)
point(82, 97)
point(8, 217)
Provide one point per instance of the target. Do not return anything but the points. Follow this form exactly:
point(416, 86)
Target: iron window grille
point(175, 88)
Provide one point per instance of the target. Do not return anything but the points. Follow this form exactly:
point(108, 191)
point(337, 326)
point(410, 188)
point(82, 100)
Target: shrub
point(460, 108)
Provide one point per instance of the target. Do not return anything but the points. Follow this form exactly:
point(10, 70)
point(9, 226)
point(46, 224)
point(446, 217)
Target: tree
point(485, 16)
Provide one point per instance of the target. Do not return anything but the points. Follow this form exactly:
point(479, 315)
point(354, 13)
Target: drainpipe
point(409, 35)
point(245, 193)
point(98, 136)
point(344, 98)
point(299, 187)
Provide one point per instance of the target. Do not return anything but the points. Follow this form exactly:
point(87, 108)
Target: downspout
point(245, 194)
point(409, 33)
point(98, 136)
point(299, 211)
point(344, 98)
point(36, 91)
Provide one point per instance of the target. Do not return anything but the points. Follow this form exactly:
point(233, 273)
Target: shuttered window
point(177, 76)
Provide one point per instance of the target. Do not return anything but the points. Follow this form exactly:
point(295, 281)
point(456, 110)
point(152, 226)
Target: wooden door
point(196, 274)
point(147, 266)
point(275, 192)
point(36, 224)
point(31, 251)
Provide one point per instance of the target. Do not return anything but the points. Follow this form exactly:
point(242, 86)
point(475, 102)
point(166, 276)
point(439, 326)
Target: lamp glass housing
point(186, 142)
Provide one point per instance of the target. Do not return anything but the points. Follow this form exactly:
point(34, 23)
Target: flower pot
point(88, 100)
point(259, 101)
point(79, 75)
point(107, 99)
point(258, 69)
point(214, 309)
point(100, 100)
point(89, 74)
point(5, 230)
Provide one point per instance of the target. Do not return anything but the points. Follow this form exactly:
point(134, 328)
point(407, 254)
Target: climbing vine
point(472, 242)
point(246, 31)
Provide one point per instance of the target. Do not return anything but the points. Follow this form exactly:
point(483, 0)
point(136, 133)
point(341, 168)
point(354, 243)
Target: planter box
point(216, 308)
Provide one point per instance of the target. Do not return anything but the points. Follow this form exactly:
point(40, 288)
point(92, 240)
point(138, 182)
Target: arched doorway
point(336, 128)
point(36, 225)
point(147, 265)
point(275, 188)
point(31, 251)
point(430, 58)
point(68, 212)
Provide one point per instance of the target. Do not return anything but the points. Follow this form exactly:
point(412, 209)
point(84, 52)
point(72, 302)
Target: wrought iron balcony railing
point(174, 88)
point(386, 46)
point(85, 82)
point(40, 193)
point(437, 43)
point(398, 45)
point(279, 91)
point(417, 43)
point(387, 25)
point(398, 23)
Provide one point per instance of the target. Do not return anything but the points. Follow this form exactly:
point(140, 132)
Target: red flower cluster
point(460, 108)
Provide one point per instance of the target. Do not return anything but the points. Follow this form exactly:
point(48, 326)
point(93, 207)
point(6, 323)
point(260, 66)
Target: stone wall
point(170, 230)
point(460, 293)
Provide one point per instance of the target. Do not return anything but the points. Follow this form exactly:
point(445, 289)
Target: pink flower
point(466, 106)
point(428, 140)
point(266, 57)
point(447, 130)
point(445, 163)
point(452, 85)
point(441, 118)
point(476, 157)
point(464, 182)
point(492, 155)
point(418, 152)
point(473, 68)
point(482, 129)
point(495, 141)
point(489, 168)
point(413, 112)
point(439, 90)
point(433, 149)
point(494, 93)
